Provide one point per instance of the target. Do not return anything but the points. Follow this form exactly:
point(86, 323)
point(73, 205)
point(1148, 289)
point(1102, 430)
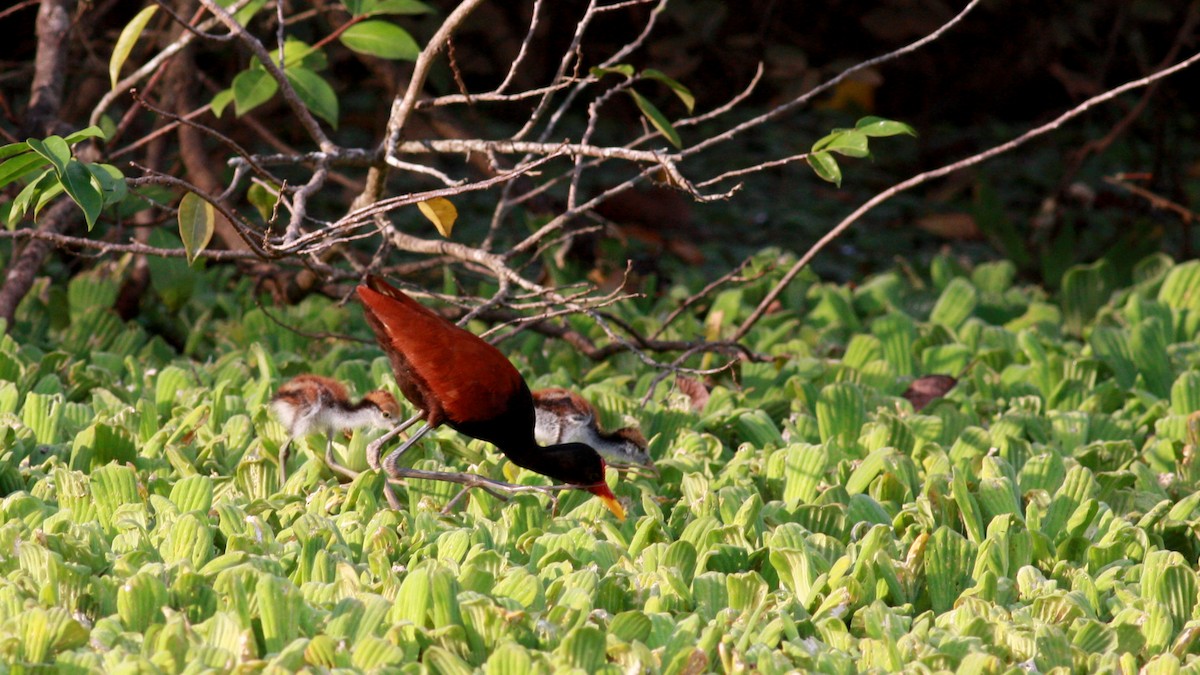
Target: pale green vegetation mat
point(1042, 516)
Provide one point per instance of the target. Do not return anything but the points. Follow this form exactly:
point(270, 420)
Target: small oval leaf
point(129, 37)
point(681, 91)
point(826, 167)
point(316, 93)
point(77, 181)
point(197, 219)
point(877, 127)
point(442, 212)
point(381, 38)
point(656, 118)
point(252, 88)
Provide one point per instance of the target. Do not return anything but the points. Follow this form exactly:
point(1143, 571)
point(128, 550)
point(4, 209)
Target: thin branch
point(66, 241)
point(403, 107)
point(297, 106)
point(943, 171)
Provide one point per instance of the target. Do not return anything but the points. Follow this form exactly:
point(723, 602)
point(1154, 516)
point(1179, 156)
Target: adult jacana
point(455, 378)
point(310, 403)
point(562, 416)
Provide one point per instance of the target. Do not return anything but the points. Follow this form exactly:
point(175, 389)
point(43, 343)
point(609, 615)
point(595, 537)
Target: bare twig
point(927, 176)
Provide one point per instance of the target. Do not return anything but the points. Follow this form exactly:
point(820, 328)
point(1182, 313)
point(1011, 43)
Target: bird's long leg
point(375, 446)
point(283, 455)
point(372, 449)
point(391, 463)
point(332, 463)
point(496, 488)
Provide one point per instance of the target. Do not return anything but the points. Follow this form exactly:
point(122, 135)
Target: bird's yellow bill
point(606, 495)
point(613, 505)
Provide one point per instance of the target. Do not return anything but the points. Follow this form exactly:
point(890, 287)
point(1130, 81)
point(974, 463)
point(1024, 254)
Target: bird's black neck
point(574, 463)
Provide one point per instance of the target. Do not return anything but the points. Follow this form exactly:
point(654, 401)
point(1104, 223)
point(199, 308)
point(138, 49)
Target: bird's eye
point(387, 415)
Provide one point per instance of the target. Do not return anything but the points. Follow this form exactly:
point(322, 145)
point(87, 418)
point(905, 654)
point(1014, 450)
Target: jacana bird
point(311, 403)
point(562, 416)
point(455, 378)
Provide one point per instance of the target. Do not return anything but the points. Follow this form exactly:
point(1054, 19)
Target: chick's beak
point(610, 500)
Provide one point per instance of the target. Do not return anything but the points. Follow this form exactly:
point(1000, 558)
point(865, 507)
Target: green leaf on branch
point(369, 7)
point(13, 149)
point(54, 149)
point(846, 142)
point(20, 166)
point(826, 167)
point(25, 197)
point(878, 127)
point(656, 118)
point(221, 100)
point(620, 69)
point(53, 189)
point(263, 199)
point(684, 94)
point(77, 181)
point(315, 93)
point(129, 37)
point(247, 12)
point(197, 219)
point(84, 134)
point(381, 38)
point(110, 181)
point(252, 88)
point(297, 53)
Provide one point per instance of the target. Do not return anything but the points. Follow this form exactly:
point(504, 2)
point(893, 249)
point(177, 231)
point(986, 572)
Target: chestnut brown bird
point(455, 378)
point(564, 417)
point(310, 403)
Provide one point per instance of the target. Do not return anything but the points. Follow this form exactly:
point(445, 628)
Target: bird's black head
point(573, 463)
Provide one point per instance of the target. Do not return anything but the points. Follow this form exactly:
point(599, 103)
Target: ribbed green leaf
point(193, 493)
point(511, 658)
point(968, 508)
point(111, 487)
point(1112, 345)
point(444, 662)
point(948, 561)
point(43, 413)
point(1181, 287)
point(756, 428)
point(1078, 486)
point(279, 610)
point(1185, 393)
point(897, 333)
point(1085, 289)
point(804, 468)
point(372, 652)
point(140, 601)
point(840, 412)
point(100, 444)
point(957, 302)
point(583, 648)
point(1148, 349)
point(42, 633)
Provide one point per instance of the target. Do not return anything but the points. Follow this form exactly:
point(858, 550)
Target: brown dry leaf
point(957, 226)
point(695, 390)
point(924, 390)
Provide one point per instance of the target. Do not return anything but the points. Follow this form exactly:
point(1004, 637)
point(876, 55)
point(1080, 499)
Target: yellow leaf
point(441, 212)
